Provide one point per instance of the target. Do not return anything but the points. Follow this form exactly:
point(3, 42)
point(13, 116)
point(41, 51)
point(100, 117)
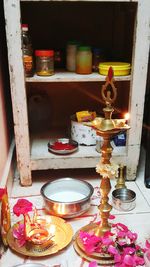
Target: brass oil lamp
point(38, 232)
point(106, 128)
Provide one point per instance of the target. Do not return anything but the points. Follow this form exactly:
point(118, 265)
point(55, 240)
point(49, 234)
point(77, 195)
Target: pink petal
point(112, 250)
point(93, 264)
point(147, 244)
point(112, 217)
point(117, 258)
point(129, 260)
point(139, 260)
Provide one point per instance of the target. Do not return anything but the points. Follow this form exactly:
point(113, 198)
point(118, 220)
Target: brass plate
point(62, 237)
point(100, 258)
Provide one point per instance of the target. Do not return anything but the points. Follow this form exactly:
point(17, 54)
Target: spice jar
point(44, 62)
point(84, 60)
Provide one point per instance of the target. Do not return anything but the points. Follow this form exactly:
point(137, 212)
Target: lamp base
point(101, 258)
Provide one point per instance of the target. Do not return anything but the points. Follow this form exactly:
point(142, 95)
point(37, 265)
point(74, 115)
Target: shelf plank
point(85, 157)
point(64, 76)
point(79, 0)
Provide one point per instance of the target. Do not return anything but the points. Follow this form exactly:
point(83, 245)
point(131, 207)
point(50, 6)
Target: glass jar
point(84, 60)
point(44, 62)
point(71, 51)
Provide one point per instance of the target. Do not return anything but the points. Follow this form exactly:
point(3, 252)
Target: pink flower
point(120, 242)
point(22, 206)
point(19, 234)
point(90, 241)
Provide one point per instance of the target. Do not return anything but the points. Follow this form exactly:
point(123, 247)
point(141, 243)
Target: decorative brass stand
point(120, 180)
point(106, 128)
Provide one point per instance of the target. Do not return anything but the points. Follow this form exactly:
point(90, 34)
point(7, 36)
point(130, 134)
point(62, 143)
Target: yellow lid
point(115, 65)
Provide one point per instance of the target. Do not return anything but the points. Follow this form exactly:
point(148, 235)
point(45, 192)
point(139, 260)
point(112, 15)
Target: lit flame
point(38, 229)
point(127, 116)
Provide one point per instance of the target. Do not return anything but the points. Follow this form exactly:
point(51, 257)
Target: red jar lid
point(44, 53)
point(24, 27)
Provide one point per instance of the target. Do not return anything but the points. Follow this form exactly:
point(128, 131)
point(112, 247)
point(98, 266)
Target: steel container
point(67, 197)
point(123, 199)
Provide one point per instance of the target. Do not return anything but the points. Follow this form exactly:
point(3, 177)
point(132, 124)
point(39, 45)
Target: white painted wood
point(64, 76)
point(80, 0)
point(138, 84)
point(85, 157)
point(18, 93)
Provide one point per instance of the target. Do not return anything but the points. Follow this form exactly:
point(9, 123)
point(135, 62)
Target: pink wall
point(4, 140)
point(6, 122)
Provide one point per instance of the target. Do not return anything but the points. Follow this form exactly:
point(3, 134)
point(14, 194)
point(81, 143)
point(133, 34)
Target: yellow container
point(119, 68)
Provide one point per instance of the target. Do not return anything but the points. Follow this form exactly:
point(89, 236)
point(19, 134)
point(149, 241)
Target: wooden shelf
point(85, 157)
point(82, 0)
point(64, 76)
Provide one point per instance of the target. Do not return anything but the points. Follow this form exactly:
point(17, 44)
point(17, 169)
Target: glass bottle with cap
point(44, 62)
point(27, 51)
point(84, 60)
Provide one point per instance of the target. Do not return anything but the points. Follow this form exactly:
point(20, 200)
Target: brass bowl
point(123, 199)
point(67, 197)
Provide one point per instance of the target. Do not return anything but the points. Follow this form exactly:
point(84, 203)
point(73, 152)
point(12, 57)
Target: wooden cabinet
point(122, 29)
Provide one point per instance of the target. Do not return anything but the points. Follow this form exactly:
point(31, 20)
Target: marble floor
point(138, 219)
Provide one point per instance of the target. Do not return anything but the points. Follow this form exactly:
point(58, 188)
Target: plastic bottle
point(27, 51)
point(71, 51)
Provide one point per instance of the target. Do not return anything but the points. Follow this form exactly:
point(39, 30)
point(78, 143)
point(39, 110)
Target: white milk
point(67, 196)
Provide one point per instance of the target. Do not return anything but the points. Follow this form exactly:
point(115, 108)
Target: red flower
point(22, 206)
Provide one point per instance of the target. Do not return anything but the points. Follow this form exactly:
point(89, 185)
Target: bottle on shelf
point(27, 51)
point(44, 62)
point(71, 51)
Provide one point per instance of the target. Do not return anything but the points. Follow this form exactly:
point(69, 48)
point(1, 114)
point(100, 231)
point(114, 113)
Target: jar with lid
point(44, 62)
point(27, 51)
point(71, 51)
point(84, 60)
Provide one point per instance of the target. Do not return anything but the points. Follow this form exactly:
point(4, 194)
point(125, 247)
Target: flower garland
point(107, 170)
point(120, 243)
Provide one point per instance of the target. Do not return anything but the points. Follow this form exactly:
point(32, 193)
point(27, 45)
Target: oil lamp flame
point(37, 229)
point(127, 116)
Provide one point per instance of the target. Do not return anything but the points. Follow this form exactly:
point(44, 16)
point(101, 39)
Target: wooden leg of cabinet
point(132, 162)
point(23, 154)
